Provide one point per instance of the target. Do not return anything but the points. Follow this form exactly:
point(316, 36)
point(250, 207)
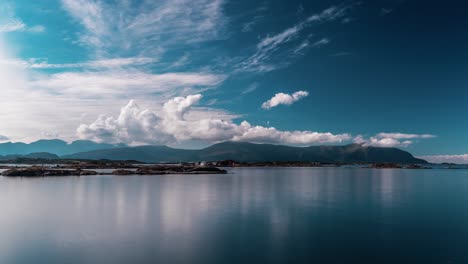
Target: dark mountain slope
point(37, 155)
point(249, 152)
point(142, 153)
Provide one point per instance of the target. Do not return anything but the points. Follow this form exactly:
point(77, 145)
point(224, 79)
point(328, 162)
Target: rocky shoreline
point(41, 171)
point(29, 168)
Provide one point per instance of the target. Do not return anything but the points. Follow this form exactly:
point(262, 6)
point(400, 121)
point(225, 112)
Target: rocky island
point(73, 170)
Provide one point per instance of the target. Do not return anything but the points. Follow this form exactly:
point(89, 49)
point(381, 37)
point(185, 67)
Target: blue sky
point(191, 73)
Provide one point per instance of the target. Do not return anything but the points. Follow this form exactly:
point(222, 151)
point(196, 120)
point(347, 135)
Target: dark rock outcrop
point(45, 172)
point(123, 172)
point(158, 170)
point(37, 171)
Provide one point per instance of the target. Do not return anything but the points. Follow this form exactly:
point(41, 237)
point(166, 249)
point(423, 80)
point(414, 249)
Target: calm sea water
point(254, 215)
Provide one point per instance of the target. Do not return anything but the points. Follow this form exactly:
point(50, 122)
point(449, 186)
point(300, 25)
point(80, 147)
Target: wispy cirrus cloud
point(341, 54)
point(180, 62)
point(149, 26)
point(88, 65)
point(258, 15)
point(12, 25)
point(332, 13)
point(260, 61)
point(250, 89)
point(37, 29)
point(284, 99)
point(124, 83)
point(16, 25)
point(124, 40)
point(306, 44)
point(91, 15)
point(9, 22)
point(385, 11)
point(320, 43)
point(265, 48)
point(301, 47)
point(140, 32)
point(95, 64)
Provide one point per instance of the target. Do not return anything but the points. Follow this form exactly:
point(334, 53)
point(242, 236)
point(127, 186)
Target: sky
point(190, 73)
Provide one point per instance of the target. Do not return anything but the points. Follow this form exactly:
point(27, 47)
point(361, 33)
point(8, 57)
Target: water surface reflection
point(264, 215)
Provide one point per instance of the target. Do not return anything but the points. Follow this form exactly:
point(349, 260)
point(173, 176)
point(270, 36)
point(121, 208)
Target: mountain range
point(238, 151)
point(53, 146)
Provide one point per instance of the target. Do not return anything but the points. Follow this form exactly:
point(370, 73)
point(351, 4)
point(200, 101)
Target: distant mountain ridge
point(250, 152)
point(53, 146)
point(238, 151)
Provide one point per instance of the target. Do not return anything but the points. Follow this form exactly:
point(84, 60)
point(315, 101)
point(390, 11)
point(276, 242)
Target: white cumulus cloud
point(284, 99)
point(179, 121)
point(457, 159)
point(404, 136)
point(124, 41)
point(388, 140)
